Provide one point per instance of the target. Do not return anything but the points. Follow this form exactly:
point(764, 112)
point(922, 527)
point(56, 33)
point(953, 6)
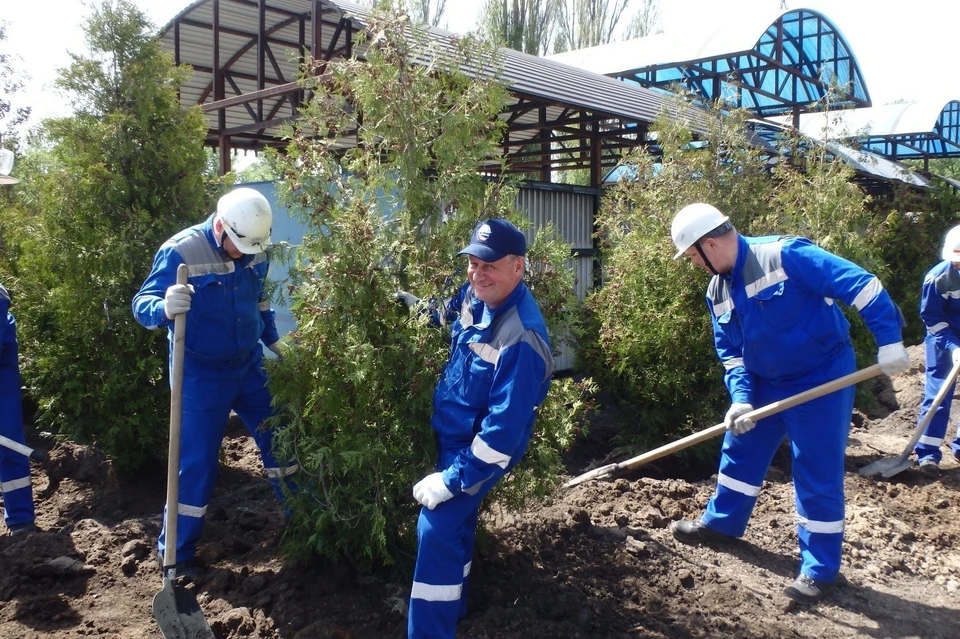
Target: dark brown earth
point(593, 561)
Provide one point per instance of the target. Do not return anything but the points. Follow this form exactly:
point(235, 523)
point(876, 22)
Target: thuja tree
point(649, 338)
point(389, 213)
point(111, 183)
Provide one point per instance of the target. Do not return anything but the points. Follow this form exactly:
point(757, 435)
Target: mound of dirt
point(596, 560)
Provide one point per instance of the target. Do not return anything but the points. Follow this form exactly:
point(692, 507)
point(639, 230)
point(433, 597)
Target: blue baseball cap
point(495, 239)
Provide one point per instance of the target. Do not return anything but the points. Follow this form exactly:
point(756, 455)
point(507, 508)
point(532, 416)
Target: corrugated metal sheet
point(571, 211)
point(525, 75)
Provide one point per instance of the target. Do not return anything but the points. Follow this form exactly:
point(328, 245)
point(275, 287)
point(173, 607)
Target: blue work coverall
point(778, 331)
point(940, 312)
point(14, 466)
point(484, 405)
point(229, 315)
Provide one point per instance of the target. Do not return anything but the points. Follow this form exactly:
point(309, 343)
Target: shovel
point(757, 414)
point(890, 466)
point(176, 609)
point(32, 453)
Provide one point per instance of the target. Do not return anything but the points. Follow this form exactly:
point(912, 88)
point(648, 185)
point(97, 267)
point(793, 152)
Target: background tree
point(587, 23)
point(430, 12)
point(390, 213)
point(12, 115)
point(100, 191)
point(522, 25)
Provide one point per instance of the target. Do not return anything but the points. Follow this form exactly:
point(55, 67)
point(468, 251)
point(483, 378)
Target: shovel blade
point(178, 614)
point(886, 467)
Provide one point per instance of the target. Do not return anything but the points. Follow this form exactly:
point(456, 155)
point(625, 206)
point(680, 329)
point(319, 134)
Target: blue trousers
point(818, 432)
point(445, 538)
point(14, 467)
point(938, 364)
point(209, 394)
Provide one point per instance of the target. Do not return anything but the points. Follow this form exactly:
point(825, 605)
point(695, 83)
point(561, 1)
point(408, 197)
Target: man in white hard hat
point(18, 510)
point(940, 312)
point(228, 314)
point(778, 331)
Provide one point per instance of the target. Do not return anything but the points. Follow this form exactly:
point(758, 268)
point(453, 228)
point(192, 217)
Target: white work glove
point(177, 300)
point(431, 491)
point(279, 348)
point(955, 356)
point(735, 419)
point(409, 299)
point(893, 359)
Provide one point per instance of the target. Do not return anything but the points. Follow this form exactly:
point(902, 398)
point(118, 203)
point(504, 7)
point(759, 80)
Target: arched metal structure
point(796, 62)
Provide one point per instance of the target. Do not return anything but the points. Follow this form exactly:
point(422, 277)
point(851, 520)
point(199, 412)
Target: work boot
point(697, 532)
point(806, 589)
point(930, 467)
point(188, 569)
point(23, 529)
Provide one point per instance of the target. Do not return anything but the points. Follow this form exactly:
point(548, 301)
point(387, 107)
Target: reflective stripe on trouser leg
point(743, 465)
point(818, 433)
point(207, 397)
point(14, 467)
point(938, 364)
point(253, 407)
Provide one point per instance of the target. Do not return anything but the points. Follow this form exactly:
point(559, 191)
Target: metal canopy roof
point(918, 130)
point(798, 57)
point(246, 54)
point(874, 172)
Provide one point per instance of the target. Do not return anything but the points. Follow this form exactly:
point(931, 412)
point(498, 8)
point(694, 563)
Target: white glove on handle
point(431, 491)
point(279, 348)
point(955, 356)
point(409, 299)
point(177, 300)
point(735, 420)
point(893, 359)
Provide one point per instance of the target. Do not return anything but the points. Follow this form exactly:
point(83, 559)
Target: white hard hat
point(6, 165)
point(692, 223)
point(247, 219)
point(951, 245)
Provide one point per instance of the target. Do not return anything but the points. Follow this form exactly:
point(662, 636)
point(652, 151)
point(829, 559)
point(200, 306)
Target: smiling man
point(483, 411)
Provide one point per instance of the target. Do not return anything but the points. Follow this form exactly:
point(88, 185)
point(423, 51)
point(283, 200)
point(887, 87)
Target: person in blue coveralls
point(18, 512)
point(779, 331)
point(227, 316)
point(498, 373)
point(940, 312)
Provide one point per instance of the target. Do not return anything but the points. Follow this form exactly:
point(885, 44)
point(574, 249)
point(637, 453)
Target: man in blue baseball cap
point(497, 375)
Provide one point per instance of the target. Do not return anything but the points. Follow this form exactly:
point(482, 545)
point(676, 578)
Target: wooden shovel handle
point(717, 429)
point(176, 414)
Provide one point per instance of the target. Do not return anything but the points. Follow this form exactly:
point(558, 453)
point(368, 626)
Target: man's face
point(696, 259)
point(494, 281)
point(228, 246)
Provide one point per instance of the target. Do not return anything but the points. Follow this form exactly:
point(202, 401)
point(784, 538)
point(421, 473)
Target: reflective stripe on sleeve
point(484, 453)
point(930, 441)
point(732, 363)
point(867, 294)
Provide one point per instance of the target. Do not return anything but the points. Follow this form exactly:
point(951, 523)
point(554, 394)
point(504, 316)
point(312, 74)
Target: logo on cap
point(483, 233)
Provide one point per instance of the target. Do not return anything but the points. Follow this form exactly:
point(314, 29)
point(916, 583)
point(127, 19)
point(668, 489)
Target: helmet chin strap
point(706, 260)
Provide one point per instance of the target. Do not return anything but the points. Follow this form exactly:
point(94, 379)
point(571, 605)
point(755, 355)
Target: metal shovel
point(890, 466)
point(759, 413)
point(176, 609)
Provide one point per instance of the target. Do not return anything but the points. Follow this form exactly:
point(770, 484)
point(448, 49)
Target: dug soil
point(596, 560)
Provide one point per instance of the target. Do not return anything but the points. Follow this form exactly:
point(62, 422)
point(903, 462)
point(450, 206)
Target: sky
point(906, 51)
